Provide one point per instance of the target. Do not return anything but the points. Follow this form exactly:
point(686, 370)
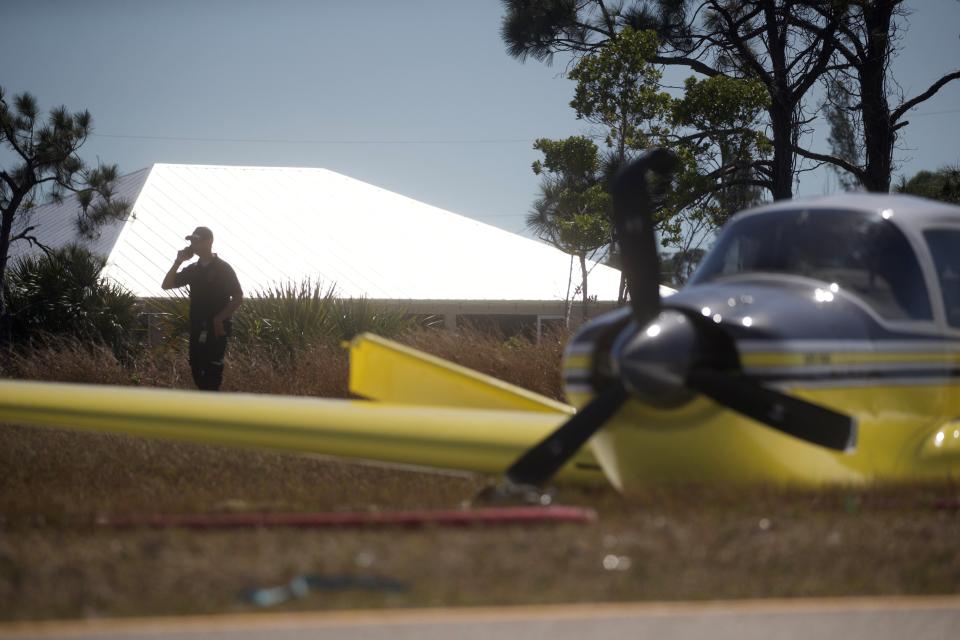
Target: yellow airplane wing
point(387, 371)
point(480, 440)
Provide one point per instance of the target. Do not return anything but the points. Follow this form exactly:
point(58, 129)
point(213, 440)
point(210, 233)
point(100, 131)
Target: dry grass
point(318, 370)
point(531, 365)
point(669, 543)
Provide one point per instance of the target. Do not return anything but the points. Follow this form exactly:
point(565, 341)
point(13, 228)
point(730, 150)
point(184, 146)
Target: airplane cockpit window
point(858, 251)
point(945, 248)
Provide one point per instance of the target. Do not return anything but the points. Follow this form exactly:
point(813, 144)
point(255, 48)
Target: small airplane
point(832, 322)
point(818, 343)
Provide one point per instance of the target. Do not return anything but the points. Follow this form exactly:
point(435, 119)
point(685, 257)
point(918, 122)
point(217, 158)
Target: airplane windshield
point(859, 251)
point(945, 248)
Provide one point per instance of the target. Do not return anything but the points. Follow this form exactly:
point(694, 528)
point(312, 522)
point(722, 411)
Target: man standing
point(215, 294)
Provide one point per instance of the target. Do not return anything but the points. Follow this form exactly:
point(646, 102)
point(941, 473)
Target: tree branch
point(900, 125)
point(693, 63)
point(909, 104)
point(31, 240)
point(834, 160)
point(6, 178)
point(820, 66)
point(711, 132)
point(851, 57)
point(845, 29)
point(746, 54)
point(11, 136)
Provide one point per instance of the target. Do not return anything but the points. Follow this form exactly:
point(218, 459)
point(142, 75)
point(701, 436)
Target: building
point(278, 225)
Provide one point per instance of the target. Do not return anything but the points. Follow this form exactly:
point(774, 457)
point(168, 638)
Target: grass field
point(667, 543)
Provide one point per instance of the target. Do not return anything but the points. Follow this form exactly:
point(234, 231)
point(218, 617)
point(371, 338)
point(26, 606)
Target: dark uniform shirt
point(211, 287)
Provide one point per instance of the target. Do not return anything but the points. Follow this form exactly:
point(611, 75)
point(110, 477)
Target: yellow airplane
point(818, 343)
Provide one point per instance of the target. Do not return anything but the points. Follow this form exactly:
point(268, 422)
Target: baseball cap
point(200, 233)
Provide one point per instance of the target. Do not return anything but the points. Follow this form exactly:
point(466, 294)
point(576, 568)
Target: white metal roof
point(276, 225)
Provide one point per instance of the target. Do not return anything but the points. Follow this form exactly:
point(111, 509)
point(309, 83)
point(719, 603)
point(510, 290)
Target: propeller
point(666, 356)
point(638, 242)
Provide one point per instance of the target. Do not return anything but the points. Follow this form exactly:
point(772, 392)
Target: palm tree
point(571, 214)
point(63, 292)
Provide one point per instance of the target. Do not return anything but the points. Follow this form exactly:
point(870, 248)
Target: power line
point(932, 113)
point(371, 141)
point(314, 141)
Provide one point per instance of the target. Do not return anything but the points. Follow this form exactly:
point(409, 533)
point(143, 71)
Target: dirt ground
point(674, 543)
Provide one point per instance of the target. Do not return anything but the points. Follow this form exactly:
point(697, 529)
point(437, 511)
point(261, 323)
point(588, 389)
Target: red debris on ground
point(412, 518)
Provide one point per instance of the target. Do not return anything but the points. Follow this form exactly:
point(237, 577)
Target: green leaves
point(63, 293)
point(573, 210)
point(618, 88)
point(42, 162)
point(943, 184)
point(97, 203)
point(26, 106)
point(586, 230)
point(576, 158)
point(724, 116)
point(530, 27)
point(721, 103)
point(713, 129)
point(291, 317)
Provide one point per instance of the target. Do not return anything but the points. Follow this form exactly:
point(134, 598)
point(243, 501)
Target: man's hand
point(218, 331)
point(170, 280)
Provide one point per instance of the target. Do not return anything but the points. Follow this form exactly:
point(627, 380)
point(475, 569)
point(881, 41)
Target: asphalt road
point(933, 618)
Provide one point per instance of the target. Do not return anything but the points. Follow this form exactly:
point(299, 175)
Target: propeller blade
point(544, 459)
point(633, 220)
point(788, 414)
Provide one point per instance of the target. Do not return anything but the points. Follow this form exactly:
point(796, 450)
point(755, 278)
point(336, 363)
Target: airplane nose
point(653, 362)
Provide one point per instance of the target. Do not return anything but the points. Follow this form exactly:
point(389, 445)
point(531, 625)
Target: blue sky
point(418, 97)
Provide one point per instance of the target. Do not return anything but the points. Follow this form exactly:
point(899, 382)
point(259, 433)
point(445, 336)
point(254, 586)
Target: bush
point(288, 317)
point(353, 316)
point(943, 184)
point(172, 315)
point(293, 317)
point(63, 293)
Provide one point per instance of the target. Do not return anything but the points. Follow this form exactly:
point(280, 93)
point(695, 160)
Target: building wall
point(528, 317)
point(512, 317)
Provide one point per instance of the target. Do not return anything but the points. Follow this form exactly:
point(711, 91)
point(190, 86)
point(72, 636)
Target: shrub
point(293, 317)
point(353, 316)
point(173, 316)
point(63, 293)
point(288, 317)
point(943, 184)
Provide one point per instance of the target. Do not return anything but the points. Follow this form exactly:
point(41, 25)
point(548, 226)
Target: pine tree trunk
point(6, 225)
point(781, 122)
point(879, 135)
point(583, 275)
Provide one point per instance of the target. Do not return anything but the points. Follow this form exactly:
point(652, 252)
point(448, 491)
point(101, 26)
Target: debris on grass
point(301, 586)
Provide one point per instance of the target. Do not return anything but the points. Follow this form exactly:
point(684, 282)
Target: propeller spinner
point(664, 357)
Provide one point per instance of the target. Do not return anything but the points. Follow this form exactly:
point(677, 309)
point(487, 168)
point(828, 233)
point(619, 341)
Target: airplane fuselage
point(873, 333)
